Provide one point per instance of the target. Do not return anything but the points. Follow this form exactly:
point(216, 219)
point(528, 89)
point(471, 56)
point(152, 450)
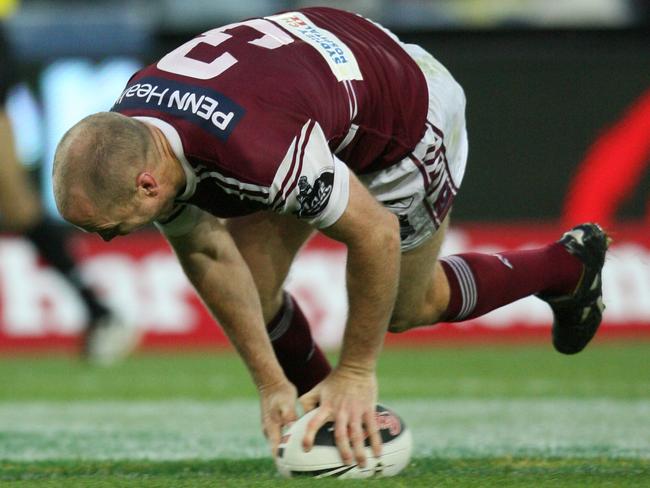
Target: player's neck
point(178, 178)
point(171, 168)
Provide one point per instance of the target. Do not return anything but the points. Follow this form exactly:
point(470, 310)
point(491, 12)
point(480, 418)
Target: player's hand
point(278, 404)
point(348, 398)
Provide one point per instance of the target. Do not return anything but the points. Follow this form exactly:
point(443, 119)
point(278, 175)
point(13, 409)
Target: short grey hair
point(102, 154)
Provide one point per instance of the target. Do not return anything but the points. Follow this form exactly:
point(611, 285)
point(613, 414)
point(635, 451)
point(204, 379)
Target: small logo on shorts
point(313, 199)
point(504, 260)
point(405, 228)
point(399, 204)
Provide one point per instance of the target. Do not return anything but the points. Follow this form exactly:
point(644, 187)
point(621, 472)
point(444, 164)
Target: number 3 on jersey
point(178, 63)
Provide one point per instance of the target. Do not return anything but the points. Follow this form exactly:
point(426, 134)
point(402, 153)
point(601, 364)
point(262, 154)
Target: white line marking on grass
point(175, 430)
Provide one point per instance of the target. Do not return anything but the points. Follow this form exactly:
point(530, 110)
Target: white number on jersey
point(178, 63)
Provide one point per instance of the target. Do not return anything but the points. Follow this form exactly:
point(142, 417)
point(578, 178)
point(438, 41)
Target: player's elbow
point(377, 235)
point(382, 240)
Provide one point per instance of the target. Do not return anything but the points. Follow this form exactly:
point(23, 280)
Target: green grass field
point(481, 416)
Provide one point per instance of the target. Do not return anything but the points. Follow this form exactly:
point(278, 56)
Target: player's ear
point(146, 183)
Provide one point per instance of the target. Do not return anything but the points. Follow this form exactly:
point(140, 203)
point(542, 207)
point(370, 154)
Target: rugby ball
point(324, 460)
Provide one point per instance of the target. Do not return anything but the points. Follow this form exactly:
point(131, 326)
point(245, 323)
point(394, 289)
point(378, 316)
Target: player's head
point(111, 175)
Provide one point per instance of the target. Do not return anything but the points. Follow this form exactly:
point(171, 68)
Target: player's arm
point(215, 267)
point(316, 186)
point(371, 235)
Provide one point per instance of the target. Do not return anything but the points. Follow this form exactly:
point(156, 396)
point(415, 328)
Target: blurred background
point(558, 118)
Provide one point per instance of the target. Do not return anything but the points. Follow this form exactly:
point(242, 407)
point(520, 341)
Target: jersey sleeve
point(311, 183)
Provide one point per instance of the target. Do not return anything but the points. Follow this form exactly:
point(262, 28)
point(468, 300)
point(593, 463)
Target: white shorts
point(420, 189)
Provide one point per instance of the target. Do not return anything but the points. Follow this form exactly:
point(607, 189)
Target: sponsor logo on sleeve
point(209, 109)
point(312, 199)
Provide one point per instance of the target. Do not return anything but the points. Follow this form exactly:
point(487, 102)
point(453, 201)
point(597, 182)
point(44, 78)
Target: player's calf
point(468, 285)
point(303, 362)
point(421, 305)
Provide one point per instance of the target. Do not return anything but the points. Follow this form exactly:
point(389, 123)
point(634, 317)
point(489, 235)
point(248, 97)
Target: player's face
point(111, 230)
point(153, 200)
point(119, 221)
point(116, 220)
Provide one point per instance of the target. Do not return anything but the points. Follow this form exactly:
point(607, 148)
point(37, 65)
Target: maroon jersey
point(271, 113)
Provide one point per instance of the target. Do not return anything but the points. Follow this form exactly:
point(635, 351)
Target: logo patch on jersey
point(338, 55)
point(313, 199)
point(209, 109)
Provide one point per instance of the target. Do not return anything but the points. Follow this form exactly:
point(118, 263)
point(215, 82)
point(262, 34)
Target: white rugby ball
point(324, 460)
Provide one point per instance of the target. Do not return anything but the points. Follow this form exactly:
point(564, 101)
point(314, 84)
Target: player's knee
point(272, 301)
point(401, 323)
point(397, 327)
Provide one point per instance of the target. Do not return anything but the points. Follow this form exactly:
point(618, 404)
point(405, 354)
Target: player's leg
point(423, 294)
point(268, 243)
point(468, 285)
point(21, 212)
point(106, 337)
point(566, 274)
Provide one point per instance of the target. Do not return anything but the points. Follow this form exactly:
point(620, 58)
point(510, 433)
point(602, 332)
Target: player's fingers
point(272, 432)
point(373, 434)
point(311, 399)
point(307, 402)
point(357, 440)
point(289, 416)
point(317, 421)
point(285, 413)
point(342, 438)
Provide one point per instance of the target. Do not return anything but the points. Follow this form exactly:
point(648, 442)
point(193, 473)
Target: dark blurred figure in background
point(106, 337)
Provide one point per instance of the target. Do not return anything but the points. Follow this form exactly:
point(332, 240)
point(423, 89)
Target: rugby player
point(106, 337)
point(243, 141)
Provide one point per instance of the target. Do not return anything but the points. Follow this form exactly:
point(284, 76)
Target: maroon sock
point(302, 360)
point(479, 283)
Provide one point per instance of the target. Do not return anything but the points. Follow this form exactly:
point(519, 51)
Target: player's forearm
point(229, 292)
point(226, 286)
point(372, 280)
